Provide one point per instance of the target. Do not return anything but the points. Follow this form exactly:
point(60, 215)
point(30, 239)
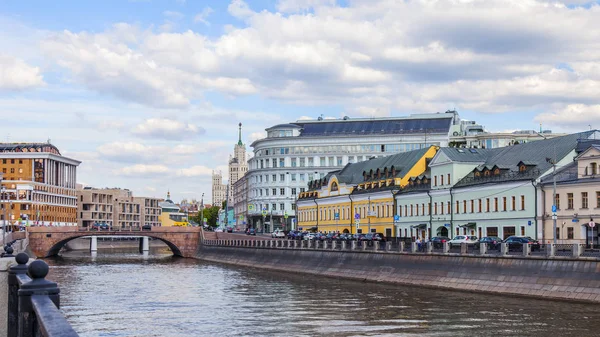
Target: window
point(495, 204)
point(261, 178)
point(597, 199)
point(302, 176)
point(569, 200)
point(267, 178)
point(457, 207)
point(294, 191)
point(281, 162)
point(435, 181)
point(302, 189)
point(266, 191)
point(449, 210)
point(282, 177)
point(522, 202)
point(435, 208)
point(504, 204)
point(442, 180)
point(282, 207)
point(274, 207)
point(293, 207)
point(302, 162)
point(487, 204)
point(472, 206)
point(448, 178)
point(274, 162)
point(322, 161)
point(339, 161)
point(311, 161)
point(584, 200)
point(282, 191)
point(480, 208)
point(293, 176)
point(594, 168)
point(558, 233)
point(570, 233)
point(464, 206)
point(260, 191)
point(12, 170)
point(274, 177)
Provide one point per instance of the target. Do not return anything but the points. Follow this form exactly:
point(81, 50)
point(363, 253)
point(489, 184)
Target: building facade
point(115, 207)
point(240, 202)
point(484, 192)
point(360, 197)
point(219, 190)
point(171, 214)
point(577, 200)
point(238, 165)
point(306, 150)
point(38, 185)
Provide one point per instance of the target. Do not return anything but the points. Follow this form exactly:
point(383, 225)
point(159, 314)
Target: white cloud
point(573, 117)
point(129, 152)
point(258, 135)
point(15, 74)
point(239, 9)
point(293, 6)
point(166, 129)
point(143, 170)
point(203, 16)
point(195, 171)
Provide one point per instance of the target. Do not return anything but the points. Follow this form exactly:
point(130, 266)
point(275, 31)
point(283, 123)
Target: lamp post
point(4, 221)
point(202, 211)
point(369, 214)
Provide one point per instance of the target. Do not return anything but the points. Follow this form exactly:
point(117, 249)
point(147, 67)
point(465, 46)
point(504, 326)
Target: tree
point(211, 215)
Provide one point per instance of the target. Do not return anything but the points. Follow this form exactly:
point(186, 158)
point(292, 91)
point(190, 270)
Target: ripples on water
point(125, 295)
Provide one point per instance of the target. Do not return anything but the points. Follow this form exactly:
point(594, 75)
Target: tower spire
point(240, 138)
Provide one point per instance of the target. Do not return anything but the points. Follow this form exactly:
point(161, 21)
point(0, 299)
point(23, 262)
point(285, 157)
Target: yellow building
point(360, 197)
point(171, 214)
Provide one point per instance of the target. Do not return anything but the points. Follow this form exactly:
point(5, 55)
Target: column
point(145, 244)
point(94, 244)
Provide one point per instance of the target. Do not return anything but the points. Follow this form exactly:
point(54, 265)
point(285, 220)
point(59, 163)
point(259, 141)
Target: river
point(119, 293)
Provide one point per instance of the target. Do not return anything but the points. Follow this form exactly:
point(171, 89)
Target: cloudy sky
point(148, 93)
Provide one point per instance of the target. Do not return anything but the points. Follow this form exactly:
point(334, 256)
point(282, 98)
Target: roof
point(281, 126)
point(29, 147)
point(376, 126)
point(538, 155)
point(401, 162)
point(465, 155)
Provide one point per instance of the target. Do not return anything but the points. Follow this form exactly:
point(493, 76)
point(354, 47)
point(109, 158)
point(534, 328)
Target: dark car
point(344, 237)
point(357, 236)
point(229, 229)
point(100, 227)
point(492, 242)
point(438, 241)
point(331, 236)
point(517, 242)
point(251, 231)
point(319, 236)
point(146, 227)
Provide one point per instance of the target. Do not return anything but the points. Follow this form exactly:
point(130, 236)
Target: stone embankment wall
point(84, 244)
point(542, 278)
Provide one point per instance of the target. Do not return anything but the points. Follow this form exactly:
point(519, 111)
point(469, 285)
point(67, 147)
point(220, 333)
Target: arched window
point(334, 187)
point(497, 171)
point(487, 173)
point(522, 168)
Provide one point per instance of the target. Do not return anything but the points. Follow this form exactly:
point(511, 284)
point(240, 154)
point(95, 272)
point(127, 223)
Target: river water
point(124, 294)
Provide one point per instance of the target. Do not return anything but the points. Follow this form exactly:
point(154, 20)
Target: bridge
point(47, 241)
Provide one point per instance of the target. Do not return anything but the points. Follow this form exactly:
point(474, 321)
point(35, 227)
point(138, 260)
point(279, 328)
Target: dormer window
point(334, 187)
point(477, 174)
point(522, 168)
point(497, 171)
point(486, 173)
point(386, 173)
point(378, 174)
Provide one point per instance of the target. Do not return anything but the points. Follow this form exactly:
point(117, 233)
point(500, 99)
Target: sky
point(148, 93)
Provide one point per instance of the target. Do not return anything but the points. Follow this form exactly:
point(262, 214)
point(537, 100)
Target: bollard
point(344, 245)
point(550, 250)
point(429, 247)
point(325, 244)
point(376, 246)
point(504, 248)
point(333, 245)
point(353, 245)
point(364, 245)
point(413, 247)
point(295, 244)
point(388, 246)
point(445, 247)
point(8, 251)
point(13, 289)
point(310, 244)
point(464, 248)
point(526, 249)
point(483, 248)
point(401, 246)
point(577, 250)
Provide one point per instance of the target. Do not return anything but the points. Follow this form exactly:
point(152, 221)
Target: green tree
point(211, 215)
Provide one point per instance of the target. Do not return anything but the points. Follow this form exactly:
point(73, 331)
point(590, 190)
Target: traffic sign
point(553, 208)
point(264, 212)
point(529, 223)
point(396, 217)
point(592, 224)
point(357, 222)
point(241, 217)
point(336, 216)
point(357, 216)
point(554, 217)
point(205, 219)
point(285, 215)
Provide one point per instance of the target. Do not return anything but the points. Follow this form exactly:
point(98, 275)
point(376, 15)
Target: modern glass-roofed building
point(294, 154)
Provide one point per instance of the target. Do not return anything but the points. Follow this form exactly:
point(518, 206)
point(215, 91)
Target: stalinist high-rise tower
point(238, 164)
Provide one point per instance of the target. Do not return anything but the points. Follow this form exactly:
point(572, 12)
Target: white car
point(278, 234)
point(457, 240)
point(309, 236)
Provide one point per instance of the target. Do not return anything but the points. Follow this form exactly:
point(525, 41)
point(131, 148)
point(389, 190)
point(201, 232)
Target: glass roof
point(377, 127)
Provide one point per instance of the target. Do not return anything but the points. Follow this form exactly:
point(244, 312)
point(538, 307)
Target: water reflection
point(160, 295)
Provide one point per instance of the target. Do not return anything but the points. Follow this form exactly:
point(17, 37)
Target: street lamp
point(553, 162)
point(202, 211)
point(4, 221)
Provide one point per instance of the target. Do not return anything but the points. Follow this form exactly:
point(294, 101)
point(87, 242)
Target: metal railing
point(571, 251)
point(33, 302)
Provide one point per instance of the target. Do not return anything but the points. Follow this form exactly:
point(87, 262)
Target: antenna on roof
point(48, 140)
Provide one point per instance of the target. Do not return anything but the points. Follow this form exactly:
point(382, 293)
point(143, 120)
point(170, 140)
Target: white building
point(294, 154)
point(219, 190)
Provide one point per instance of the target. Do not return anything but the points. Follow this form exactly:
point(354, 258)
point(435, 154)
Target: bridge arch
point(47, 241)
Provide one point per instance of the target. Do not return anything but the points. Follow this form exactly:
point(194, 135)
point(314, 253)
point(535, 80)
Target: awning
point(419, 226)
point(469, 225)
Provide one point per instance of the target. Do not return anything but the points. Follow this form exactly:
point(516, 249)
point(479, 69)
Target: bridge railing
point(33, 302)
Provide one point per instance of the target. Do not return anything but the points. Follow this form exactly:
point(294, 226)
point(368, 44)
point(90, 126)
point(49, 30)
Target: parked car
point(344, 237)
point(147, 227)
point(291, 235)
point(331, 236)
point(320, 236)
point(357, 236)
point(309, 236)
point(492, 242)
point(438, 241)
point(251, 231)
point(100, 227)
point(278, 234)
point(229, 229)
point(517, 242)
point(457, 240)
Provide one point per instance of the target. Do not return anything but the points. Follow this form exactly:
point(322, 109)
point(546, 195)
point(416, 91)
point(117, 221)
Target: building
point(240, 202)
point(296, 153)
point(150, 210)
point(360, 197)
point(219, 190)
point(577, 199)
point(238, 165)
point(171, 214)
point(483, 192)
point(116, 207)
point(38, 185)
point(475, 136)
